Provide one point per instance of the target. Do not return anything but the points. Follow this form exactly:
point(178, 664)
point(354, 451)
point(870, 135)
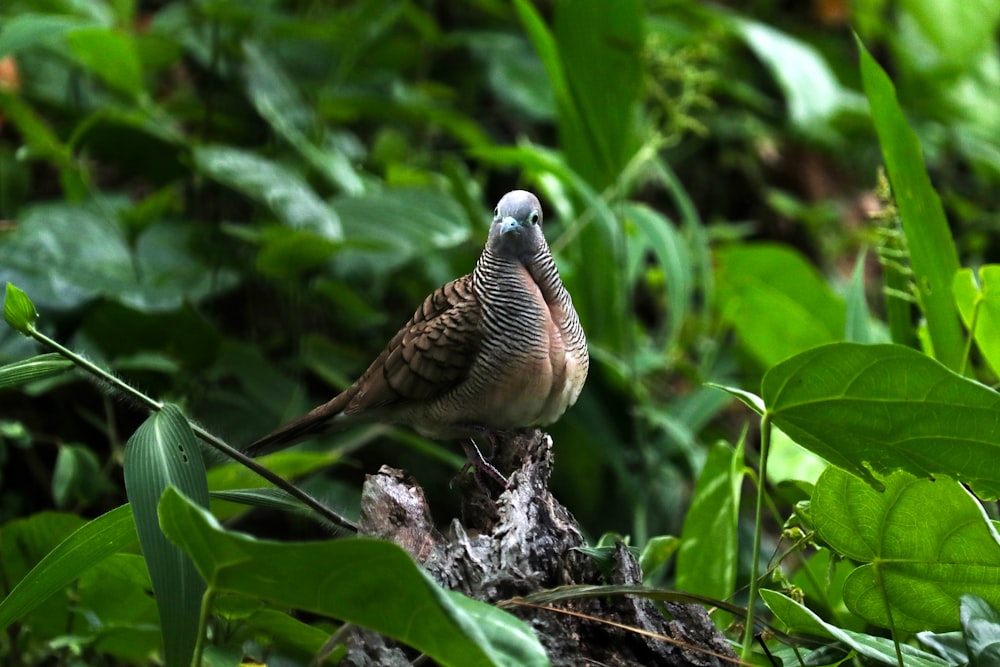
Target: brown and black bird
point(496, 350)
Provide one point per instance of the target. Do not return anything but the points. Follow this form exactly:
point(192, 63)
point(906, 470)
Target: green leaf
point(276, 97)
point(398, 225)
point(859, 327)
point(271, 498)
point(367, 582)
point(163, 453)
point(76, 477)
point(286, 631)
point(776, 301)
point(799, 619)
point(25, 30)
point(18, 311)
point(656, 552)
point(932, 252)
point(88, 545)
point(117, 591)
point(40, 367)
point(879, 408)
point(748, 398)
point(706, 560)
point(66, 254)
point(925, 543)
point(979, 305)
point(111, 55)
point(811, 89)
point(981, 626)
point(284, 192)
point(599, 51)
point(962, 34)
point(658, 236)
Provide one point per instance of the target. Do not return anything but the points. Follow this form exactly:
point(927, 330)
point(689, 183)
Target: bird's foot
point(480, 464)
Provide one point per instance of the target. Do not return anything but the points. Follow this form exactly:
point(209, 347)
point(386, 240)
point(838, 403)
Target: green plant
point(215, 200)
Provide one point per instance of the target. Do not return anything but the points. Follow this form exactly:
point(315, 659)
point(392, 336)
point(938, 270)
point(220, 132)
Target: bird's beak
point(509, 225)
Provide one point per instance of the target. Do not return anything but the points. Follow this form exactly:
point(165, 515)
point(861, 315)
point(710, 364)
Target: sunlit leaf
point(979, 304)
point(880, 408)
point(924, 543)
point(776, 301)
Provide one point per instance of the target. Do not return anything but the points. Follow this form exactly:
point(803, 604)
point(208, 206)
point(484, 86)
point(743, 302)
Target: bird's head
point(517, 226)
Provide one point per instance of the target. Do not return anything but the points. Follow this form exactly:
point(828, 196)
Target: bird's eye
point(534, 217)
point(496, 212)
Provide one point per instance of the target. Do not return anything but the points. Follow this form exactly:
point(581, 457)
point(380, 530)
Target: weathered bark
point(520, 543)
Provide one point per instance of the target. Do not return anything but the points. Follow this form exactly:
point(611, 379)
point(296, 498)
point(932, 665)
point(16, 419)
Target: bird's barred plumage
point(498, 349)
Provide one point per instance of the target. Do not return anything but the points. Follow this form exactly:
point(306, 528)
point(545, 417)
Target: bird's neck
point(540, 266)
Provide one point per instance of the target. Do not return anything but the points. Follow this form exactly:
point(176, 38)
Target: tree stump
point(522, 542)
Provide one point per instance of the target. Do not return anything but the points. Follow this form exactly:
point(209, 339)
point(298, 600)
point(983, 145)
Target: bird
point(497, 350)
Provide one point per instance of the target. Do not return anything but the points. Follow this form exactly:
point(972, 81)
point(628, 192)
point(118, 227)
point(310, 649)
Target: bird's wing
point(433, 353)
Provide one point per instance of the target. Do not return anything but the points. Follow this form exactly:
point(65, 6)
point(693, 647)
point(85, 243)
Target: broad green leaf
point(25, 30)
point(514, 73)
point(924, 543)
point(776, 301)
point(367, 582)
point(67, 254)
point(42, 367)
point(961, 33)
point(981, 626)
point(18, 311)
point(90, 544)
point(979, 305)
point(811, 89)
point(799, 619)
point(117, 591)
point(879, 408)
point(932, 252)
point(398, 225)
point(287, 253)
point(276, 97)
point(163, 453)
point(706, 560)
point(284, 192)
point(111, 55)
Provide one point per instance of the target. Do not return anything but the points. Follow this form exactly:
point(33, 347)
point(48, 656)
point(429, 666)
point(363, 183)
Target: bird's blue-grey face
point(517, 225)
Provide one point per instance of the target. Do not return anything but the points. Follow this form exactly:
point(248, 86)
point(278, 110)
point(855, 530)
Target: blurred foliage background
point(236, 204)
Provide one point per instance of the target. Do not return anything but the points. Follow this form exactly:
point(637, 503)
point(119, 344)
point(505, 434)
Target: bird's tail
point(317, 421)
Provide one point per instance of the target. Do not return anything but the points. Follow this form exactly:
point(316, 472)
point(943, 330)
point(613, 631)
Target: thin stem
point(119, 385)
point(971, 337)
point(199, 646)
point(765, 445)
